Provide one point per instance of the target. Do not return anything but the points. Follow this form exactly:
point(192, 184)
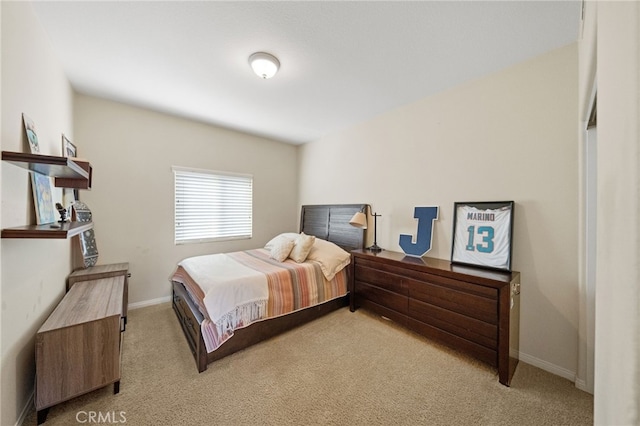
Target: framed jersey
point(482, 234)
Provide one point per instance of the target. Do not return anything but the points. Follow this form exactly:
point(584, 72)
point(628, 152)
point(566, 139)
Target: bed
point(213, 331)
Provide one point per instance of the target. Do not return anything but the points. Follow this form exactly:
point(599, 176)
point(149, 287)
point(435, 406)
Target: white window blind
point(212, 205)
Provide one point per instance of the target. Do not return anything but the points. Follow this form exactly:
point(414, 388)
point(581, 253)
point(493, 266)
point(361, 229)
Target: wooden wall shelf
point(68, 172)
point(66, 230)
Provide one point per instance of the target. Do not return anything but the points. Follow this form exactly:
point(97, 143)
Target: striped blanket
point(289, 286)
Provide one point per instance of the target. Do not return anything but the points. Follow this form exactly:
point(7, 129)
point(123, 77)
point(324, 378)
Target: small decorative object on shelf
point(42, 198)
point(68, 149)
point(32, 137)
point(88, 244)
point(62, 211)
point(482, 234)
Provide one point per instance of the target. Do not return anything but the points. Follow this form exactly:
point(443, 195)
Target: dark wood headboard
point(331, 222)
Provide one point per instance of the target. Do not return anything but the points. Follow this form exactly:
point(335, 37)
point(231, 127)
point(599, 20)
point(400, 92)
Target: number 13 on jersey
point(486, 234)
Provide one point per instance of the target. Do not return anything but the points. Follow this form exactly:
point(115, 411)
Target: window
point(212, 206)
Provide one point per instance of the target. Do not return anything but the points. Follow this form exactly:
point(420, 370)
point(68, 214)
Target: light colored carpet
point(345, 368)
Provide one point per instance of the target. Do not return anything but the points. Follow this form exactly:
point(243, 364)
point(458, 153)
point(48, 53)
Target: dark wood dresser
point(473, 310)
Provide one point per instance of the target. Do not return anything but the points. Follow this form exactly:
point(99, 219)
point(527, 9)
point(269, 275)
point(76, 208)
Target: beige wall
point(132, 151)
point(509, 136)
point(33, 271)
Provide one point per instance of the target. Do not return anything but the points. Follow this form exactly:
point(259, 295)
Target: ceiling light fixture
point(264, 64)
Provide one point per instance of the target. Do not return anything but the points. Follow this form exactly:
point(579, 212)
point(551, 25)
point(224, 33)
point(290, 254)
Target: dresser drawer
point(370, 273)
point(482, 353)
point(383, 311)
point(461, 325)
point(380, 296)
point(454, 284)
point(471, 305)
point(188, 322)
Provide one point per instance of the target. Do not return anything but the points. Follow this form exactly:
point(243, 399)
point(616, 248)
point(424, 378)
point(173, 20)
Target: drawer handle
point(515, 289)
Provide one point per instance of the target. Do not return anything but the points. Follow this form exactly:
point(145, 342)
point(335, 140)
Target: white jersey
point(482, 236)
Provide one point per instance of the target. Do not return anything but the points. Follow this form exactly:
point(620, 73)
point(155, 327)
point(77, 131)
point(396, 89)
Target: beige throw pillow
point(286, 235)
point(301, 248)
point(332, 259)
point(281, 248)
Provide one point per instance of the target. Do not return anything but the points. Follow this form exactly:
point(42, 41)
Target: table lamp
point(359, 220)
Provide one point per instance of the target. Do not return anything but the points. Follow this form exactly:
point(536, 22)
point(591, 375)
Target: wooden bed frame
point(329, 222)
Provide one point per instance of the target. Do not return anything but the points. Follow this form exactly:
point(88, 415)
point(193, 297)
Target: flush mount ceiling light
point(264, 64)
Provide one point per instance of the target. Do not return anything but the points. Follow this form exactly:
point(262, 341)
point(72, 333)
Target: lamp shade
point(264, 64)
point(359, 220)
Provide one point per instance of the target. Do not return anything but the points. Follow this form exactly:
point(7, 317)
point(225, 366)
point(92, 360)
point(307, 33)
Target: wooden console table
point(78, 348)
point(474, 310)
point(104, 271)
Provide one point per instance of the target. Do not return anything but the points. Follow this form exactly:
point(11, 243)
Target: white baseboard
point(549, 367)
point(151, 302)
point(26, 409)
point(582, 385)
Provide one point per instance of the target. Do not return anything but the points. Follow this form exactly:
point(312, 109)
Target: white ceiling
point(341, 62)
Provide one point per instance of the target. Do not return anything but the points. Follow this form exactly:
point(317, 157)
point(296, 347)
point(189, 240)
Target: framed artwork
point(68, 149)
point(81, 211)
point(482, 234)
point(88, 246)
point(32, 136)
point(42, 198)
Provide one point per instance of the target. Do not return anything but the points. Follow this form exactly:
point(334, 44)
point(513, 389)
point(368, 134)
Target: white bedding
point(234, 290)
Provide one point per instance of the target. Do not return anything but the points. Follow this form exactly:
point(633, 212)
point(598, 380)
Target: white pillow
point(285, 235)
point(332, 259)
point(281, 248)
point(302, 247)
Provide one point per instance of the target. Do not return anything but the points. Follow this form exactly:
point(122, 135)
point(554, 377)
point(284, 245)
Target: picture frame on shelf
point(42, 198)
point(68, 148)
point(32, 136)
point(88, 246)
point(483, 234)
